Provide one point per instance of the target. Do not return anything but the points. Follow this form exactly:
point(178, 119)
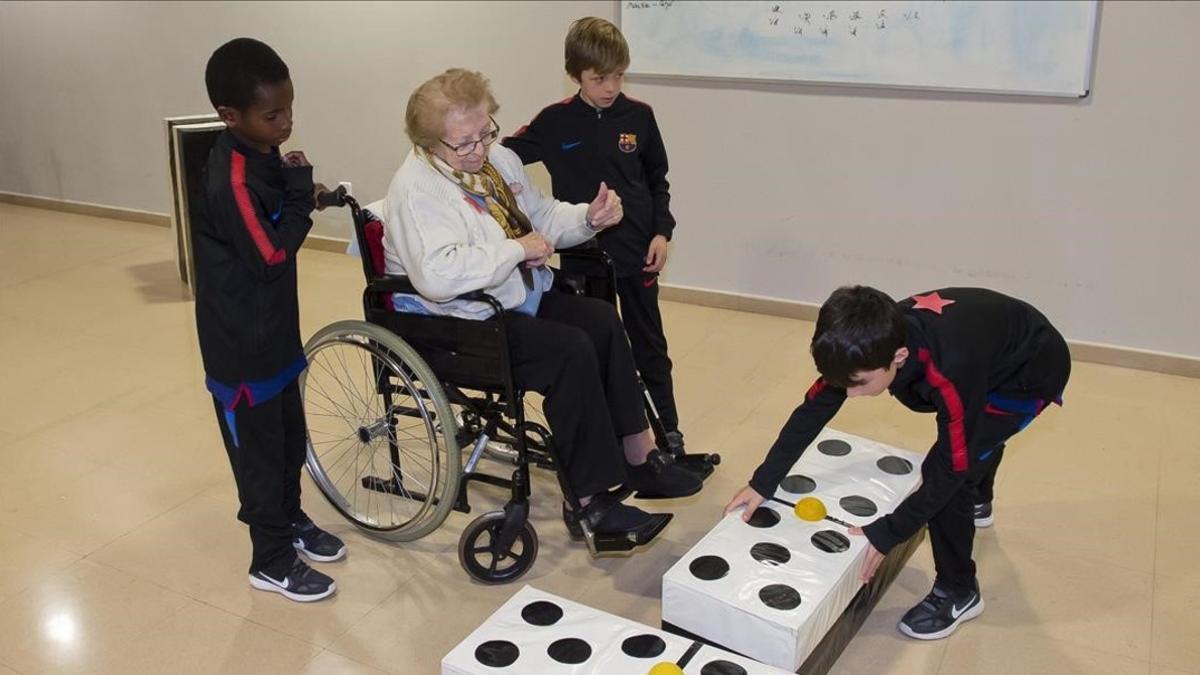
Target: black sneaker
point(983, 515)
point(940, 613)
point(659, 477)
point(302, 583)
point(317, 544)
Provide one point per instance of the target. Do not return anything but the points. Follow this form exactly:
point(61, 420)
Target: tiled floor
point(119, 552)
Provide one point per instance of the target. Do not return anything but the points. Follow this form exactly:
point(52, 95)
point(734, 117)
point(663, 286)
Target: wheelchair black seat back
point(393, 402)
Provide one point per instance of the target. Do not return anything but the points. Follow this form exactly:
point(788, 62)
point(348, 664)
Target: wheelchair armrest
point(596, 254)
point(392, 283)
point(399, 283)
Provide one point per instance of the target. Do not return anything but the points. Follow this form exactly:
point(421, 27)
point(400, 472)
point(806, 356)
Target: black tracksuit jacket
point(982, 343)
point(621, 145)
point(255, 215)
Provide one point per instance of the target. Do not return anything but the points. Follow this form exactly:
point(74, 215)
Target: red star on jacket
point(932, 302)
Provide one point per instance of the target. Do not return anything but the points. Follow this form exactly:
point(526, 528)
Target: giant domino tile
point(772, 588)
point(536, 632)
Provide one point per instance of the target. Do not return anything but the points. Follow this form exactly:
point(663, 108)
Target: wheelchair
point(393, 403)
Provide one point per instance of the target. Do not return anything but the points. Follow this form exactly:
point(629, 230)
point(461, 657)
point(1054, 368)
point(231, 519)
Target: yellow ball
point(810, 509)
point(666, 668)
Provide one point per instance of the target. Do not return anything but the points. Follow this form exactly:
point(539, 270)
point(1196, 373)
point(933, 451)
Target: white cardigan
point(435, 234)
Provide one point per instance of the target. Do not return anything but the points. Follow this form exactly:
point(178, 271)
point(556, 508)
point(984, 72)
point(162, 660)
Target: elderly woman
point(462, 216)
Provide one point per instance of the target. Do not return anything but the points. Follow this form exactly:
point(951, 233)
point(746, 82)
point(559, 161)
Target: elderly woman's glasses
point(464, 149)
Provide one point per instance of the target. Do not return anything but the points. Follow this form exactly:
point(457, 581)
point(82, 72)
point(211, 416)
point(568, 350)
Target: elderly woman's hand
point(537, 249)
point(605, 210)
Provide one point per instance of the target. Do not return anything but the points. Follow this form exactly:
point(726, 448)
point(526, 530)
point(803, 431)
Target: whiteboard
point(1036, 47)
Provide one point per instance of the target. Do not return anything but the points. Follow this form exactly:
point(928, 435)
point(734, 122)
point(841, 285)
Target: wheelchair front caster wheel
point(484, 556)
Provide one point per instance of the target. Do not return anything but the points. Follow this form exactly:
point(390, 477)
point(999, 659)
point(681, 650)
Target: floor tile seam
point(1041, 549)
point(76, 266)
point(332, 646)
point(89, 555)
point(1049, 640)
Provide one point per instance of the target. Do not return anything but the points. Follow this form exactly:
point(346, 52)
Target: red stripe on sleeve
point(237, 177)
point(816, 388)
point(958, 435)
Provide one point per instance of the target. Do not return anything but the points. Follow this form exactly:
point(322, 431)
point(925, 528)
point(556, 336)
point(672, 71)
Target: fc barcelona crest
point(627, 142)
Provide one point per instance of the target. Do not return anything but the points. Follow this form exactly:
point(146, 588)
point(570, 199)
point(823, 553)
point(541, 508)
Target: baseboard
point(1092, 352)
point(86, 209)
point(1138, 359)
point(328, 244)
point(313, 241)
point(755, 304)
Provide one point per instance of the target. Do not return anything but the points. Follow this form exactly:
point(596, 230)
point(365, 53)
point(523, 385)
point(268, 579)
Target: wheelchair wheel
point(377, 446)
point(479, 550)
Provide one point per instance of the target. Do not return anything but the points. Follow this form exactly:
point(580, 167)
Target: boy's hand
point(656, 255)
point(295, 159)
point(874, 558)
point(748, 497)
point(605, 210)
point(318, 189)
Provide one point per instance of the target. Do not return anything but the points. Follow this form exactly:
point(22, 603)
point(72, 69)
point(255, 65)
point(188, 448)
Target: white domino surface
point(596, 642)
point(729, 609)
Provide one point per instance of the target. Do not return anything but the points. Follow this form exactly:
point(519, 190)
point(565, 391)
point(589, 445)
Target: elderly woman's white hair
point(424, 120)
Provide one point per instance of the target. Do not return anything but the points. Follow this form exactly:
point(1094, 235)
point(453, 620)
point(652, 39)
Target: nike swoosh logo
point(282, 584)
point(955, 612)
point(569, 146)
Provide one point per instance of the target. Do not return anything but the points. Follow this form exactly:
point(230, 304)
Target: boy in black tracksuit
point(985, 363)
point(256, 207)
point(601, 136)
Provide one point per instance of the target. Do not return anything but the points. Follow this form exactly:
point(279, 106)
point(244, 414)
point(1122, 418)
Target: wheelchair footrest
point(702, 465)
point(613, 543)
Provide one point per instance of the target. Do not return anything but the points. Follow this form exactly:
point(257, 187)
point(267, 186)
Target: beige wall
point(1086, 208)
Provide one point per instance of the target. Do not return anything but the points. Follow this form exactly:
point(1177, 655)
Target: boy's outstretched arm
point(527, 141)
point(820, 404)
point(266, 248)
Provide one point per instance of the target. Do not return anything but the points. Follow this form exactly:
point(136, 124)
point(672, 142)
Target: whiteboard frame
point(1089, 67)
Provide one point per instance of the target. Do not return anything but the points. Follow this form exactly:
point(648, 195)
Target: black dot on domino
point(798, 484)
point(834, 447)
point(894, 465)
point(779, 596)
point(497, 653)
point(830, 541)
point(645, 646)
point(709, 567)
point(541, 613)
point(858, 505)
point(763, 518)
point(570, 651)
point(770, 554)
point(722, 668)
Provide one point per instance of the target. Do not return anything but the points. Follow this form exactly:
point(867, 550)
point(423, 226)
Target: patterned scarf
point(489, 186)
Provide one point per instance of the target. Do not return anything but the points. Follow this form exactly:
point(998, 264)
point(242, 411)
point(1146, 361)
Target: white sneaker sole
point(984, 522)
point(299, 546)
point(948, 630)
point(264, 585)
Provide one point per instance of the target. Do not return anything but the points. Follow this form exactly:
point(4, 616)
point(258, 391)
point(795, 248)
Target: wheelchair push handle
point(332, 197)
